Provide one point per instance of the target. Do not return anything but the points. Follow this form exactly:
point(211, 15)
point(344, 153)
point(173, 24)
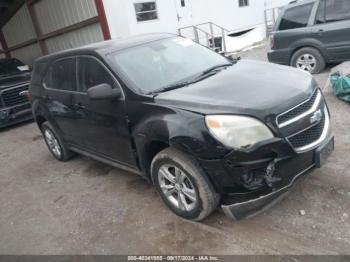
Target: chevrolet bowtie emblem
point(316, 117)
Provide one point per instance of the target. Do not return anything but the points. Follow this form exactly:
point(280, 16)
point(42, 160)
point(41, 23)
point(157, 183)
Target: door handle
point(320, 32)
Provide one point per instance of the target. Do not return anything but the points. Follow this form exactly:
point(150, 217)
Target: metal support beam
point(4, 45)
point(38, 32)
point(58, 32)
point(102, 19)
point(70, 28)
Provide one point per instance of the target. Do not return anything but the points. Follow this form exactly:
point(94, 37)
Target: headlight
point(237, 131)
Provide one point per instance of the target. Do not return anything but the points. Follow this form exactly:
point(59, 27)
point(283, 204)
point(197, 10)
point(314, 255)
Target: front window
point(296, 17)
point(92, 73)
point(146, 11)
point(10, 66)
point(162, 63)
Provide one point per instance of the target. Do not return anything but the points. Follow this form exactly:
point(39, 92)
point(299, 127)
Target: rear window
point(62, 75)
point(296, 17)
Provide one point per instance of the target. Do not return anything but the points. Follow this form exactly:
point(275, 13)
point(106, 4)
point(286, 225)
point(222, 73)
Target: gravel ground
point(84, 207)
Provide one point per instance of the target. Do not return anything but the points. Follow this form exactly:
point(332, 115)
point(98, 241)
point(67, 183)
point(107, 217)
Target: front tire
point(55, 143)
point(309, 59)
point(183, 186)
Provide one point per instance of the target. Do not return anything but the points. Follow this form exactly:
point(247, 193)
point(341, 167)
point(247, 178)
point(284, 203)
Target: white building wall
point(122, 21)
point(117, 17)
point(226, 13)
point(276, 3)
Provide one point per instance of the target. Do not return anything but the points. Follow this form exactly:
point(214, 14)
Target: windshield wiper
point(213, 68)
point(204, 74)
point(170, 87)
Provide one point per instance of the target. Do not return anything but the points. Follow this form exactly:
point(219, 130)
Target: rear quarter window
point(296, 17)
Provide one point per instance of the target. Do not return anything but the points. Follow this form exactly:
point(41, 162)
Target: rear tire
point(183, 185)
point(309, 59)
point(55, 143)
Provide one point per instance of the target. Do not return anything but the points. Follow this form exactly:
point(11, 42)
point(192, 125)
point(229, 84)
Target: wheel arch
point(40, 120)
point(150, 150)
point(309, 45)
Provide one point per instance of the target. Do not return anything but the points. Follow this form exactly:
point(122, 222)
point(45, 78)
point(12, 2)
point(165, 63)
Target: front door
point(103, 123)
point(332, 28)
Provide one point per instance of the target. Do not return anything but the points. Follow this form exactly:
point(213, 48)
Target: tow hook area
point(270, 179)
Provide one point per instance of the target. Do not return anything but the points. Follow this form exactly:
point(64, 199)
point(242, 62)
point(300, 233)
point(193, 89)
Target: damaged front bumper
point(258, 205)
point(259, 202)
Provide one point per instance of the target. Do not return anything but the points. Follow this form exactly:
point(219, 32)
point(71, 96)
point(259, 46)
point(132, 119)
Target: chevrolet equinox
point(204, 129)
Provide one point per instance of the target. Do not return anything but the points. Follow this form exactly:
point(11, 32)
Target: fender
point(163, 126)
point(309, 42)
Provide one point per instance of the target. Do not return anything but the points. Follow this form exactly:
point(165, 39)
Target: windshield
point(9, 66)
point(163, 63)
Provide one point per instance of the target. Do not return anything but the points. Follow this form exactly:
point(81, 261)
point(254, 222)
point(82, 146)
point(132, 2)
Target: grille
point(298, 110)
point(310, 135)
point(11, 96)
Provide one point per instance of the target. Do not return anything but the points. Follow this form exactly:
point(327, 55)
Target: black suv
point(204, 129)
point(14, 82)
point(310, 34)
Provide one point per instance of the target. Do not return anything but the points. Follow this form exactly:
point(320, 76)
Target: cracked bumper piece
point(256, 206)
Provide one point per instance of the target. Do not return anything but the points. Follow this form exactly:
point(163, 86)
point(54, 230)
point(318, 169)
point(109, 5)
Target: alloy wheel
point(52, 143)
point(306, 62)
point(177, 187)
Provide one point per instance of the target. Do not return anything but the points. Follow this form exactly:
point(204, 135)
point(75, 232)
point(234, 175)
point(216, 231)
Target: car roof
point(102, 48)
point(299, 2)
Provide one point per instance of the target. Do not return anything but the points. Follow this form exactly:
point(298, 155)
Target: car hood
point(248, 88)
point(13, 80)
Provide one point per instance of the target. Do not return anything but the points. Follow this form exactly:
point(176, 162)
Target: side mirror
point(103, 92)
point(233, 58)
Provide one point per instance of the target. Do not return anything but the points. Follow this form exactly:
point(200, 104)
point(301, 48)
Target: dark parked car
point(204, 129)
point(14, 105)
point(311, 33)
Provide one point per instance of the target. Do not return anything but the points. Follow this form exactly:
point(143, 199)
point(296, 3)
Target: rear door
point(103, 123)
point(332, 28)
point(60, 86)
point(294, 25)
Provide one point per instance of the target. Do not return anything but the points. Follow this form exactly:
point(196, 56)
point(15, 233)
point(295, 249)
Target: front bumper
point(254, 204)
point(16, 114)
